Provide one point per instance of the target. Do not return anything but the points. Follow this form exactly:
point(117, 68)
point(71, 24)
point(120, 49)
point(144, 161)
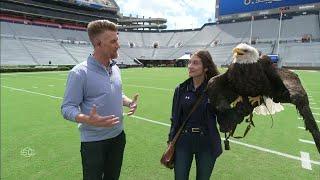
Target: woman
point(200, 137)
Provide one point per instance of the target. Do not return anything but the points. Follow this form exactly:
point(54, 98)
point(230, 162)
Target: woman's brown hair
point(208, 63)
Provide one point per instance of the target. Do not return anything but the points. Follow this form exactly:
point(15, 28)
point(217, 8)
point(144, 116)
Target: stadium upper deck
point(33, 39)
point(78, 12)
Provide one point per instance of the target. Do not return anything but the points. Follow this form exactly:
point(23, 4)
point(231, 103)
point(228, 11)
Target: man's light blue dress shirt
point(92, 83)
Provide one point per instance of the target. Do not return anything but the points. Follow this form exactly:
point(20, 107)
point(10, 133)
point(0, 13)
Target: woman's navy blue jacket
point(176, 117)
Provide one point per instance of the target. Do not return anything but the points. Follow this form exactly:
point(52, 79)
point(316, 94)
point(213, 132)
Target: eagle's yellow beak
point(238, 51)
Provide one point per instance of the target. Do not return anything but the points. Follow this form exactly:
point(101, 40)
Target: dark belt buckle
point(195, 130)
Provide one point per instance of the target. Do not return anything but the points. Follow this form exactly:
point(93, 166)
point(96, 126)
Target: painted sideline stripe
point(22, 90)
point(149, 87)
point(315, 119)
point(39, 77)
point(307, 141)
point(44, 72)
point(314, 92)
point(132, 85)
point(165, 124)
point(244, 144)
point(305, 160)
point(301, 128)
point(149, 120)
point(272, 151)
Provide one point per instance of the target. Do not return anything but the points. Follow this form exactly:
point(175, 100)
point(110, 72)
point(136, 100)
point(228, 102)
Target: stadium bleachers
point(234, 32)
point(204, 37)
point(181, 37)
point(67, 34)
point(265, 30)
point(14, 53)
point(161, 38)
point(79, 52)
point(300, 54)
point(43, 52)
point(39, 44)
point(163, 53)
point(134, 37)
point(296, 27)
point(23, 30)
point(6, 29)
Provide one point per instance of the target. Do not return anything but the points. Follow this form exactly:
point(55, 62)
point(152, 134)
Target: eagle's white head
point(245, 54)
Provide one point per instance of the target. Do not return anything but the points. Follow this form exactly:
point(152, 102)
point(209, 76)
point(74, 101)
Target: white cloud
point(180, 14)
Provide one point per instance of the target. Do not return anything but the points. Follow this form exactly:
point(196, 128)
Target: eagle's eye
point(245, 50)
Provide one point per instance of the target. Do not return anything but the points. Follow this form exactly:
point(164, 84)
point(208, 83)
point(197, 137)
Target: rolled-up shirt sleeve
point(73, 96)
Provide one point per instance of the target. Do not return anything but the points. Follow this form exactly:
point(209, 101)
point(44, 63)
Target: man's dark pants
point(103, 159)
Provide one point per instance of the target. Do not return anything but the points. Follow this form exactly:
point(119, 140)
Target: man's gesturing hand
point(101, 121)
point(133, 105)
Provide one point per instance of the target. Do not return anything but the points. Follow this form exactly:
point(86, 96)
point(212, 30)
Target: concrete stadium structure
point(37, 45)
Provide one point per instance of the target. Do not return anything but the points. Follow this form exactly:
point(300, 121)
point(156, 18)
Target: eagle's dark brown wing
point(287, 88)
point(299, 97)
point(221, 94)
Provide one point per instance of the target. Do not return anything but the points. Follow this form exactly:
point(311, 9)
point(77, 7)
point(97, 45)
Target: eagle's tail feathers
point(268, 107)
point(310, 123)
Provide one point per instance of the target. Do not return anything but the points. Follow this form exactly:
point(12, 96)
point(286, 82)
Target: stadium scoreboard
point(233, 9)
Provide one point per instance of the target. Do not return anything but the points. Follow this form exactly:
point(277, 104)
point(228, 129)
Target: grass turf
point(31, 119)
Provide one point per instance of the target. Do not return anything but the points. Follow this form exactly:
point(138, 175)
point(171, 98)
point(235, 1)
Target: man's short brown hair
point(97, 27)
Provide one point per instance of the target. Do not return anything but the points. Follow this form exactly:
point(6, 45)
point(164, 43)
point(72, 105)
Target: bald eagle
point(251, 82)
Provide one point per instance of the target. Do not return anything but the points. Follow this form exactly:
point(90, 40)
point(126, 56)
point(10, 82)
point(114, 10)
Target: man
point(94, 99)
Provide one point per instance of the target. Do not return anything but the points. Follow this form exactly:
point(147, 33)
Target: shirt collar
point(190, 86)
point(95, 62)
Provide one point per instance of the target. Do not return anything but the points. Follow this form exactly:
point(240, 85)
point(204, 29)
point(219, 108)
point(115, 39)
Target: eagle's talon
point(235, 102)
point(254, 100)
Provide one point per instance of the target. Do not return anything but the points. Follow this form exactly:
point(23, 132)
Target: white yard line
point(165, 124)
point(305, 160)
point(314, 92)
point(301, 127)
point(300, 118)
point(51, 78)
point(307, 141)
point(149, 120)
point(132, 85)
point(315, 108)
point(43, 72)
point(272, 151)
point(31, 92)
point(149, 87)
point(241, 143)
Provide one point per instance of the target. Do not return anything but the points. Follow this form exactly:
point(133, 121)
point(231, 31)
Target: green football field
point(37, 143)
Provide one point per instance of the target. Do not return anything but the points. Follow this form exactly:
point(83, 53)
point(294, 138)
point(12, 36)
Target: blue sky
point(180, 14)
